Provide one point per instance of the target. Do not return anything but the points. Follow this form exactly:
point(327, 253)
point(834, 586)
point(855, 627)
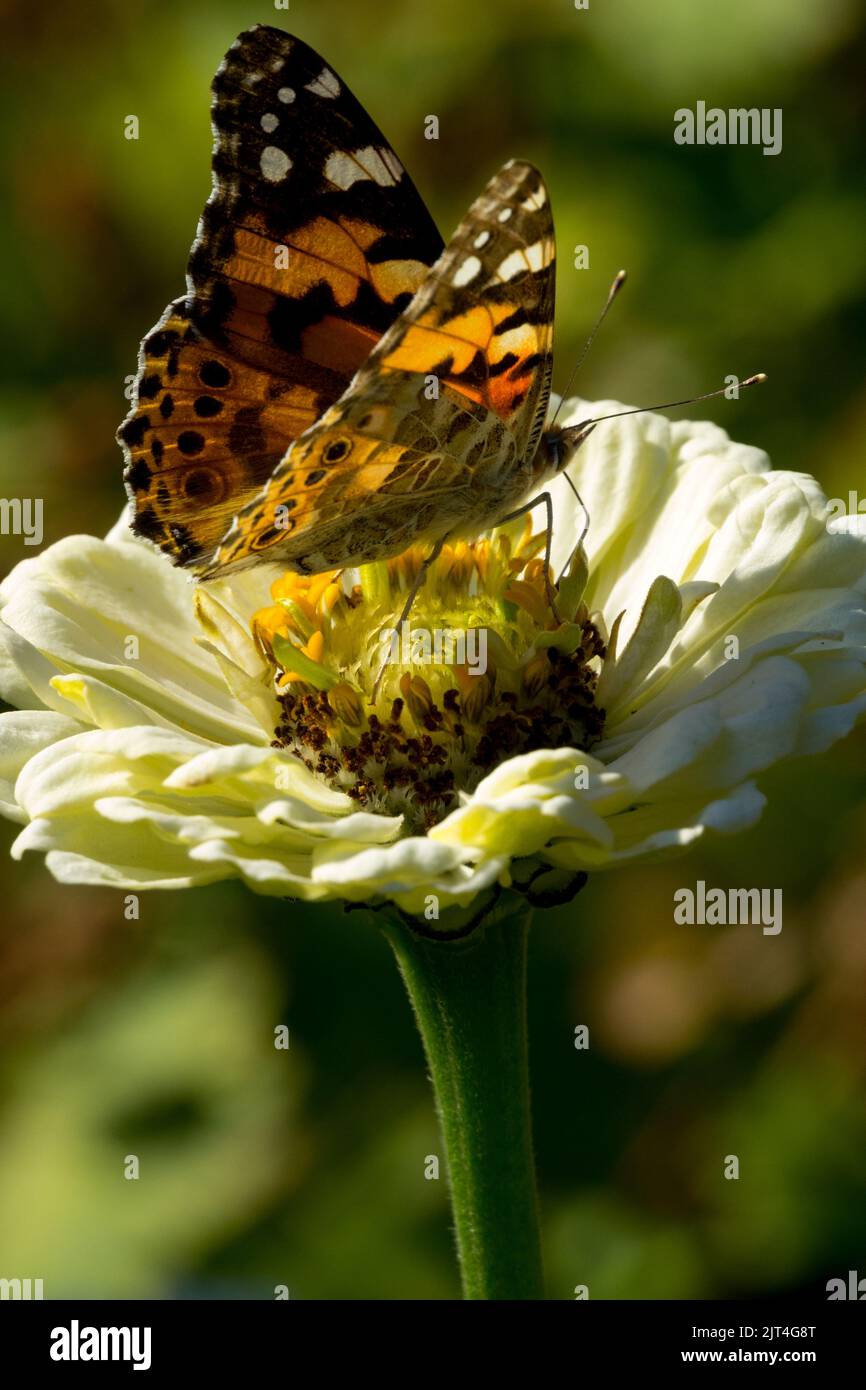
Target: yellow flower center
point(404, 717)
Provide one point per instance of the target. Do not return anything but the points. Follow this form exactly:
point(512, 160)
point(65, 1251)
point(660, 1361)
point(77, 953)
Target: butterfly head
point(557, 447)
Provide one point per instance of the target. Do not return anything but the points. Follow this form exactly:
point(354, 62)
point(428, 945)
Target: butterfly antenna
point(618, 282)
point(691, 400)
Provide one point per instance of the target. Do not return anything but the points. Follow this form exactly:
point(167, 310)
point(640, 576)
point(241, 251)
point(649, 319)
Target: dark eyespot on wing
point(190, 442)
point(214, 374)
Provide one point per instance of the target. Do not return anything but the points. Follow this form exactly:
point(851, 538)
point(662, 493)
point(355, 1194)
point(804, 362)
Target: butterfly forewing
point(482, 322)
point(298, 163)
point(436, 433)
point(311, 243)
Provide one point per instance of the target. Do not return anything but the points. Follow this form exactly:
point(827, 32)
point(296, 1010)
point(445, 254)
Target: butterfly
point(336, 384)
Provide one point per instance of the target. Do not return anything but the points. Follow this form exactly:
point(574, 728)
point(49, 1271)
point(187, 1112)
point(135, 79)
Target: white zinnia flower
point(735, 635)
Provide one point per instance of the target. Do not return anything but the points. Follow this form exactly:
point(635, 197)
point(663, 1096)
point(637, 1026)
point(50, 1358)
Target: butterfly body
point(336, 385)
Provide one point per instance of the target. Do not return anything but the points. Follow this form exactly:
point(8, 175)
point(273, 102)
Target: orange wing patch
point(511, 350)
point(321, 258)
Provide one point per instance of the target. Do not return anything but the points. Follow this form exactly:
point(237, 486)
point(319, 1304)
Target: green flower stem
point(469, 998)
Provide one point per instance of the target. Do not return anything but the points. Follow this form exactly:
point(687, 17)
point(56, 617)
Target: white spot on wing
point(286, 94)
point(342, 170)
point(392, 162)
point(269, 122)
point(378, 169)
point(325, 85)
point(466, 273)
point(534, 257)
point(539, 254)
point(274, 163)
point(505, 214)
point(481, 240)
point(381, 166)
point(511, 266)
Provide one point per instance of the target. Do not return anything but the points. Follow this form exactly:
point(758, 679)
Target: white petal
point(658, 622)
point(77, 604)
point(23, 733)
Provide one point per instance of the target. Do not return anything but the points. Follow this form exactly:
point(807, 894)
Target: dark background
point(154, 1037)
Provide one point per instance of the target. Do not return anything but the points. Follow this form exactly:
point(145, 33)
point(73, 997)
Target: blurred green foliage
point(261, 1167)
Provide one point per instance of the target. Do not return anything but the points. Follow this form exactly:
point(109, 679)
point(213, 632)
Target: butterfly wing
point(482, 323)
point(311, 243)
point(437, 431)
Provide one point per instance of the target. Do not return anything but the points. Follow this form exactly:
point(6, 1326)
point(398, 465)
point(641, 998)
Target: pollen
point(481, 671)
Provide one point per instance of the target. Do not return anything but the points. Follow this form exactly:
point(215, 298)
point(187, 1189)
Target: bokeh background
point(155, 1037)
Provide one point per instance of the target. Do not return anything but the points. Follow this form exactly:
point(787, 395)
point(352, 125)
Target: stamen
point(435, 728)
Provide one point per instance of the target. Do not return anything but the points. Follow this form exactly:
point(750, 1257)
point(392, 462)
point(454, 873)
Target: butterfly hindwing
point(311, 243)
point(201, 419)
point(438, 429)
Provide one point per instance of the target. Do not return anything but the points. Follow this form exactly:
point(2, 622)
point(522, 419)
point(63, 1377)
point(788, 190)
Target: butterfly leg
point(420, 578)
point(546, 498)
point(586, 519)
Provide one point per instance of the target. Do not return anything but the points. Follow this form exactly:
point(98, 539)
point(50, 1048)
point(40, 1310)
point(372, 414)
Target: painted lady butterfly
point(335, 385)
